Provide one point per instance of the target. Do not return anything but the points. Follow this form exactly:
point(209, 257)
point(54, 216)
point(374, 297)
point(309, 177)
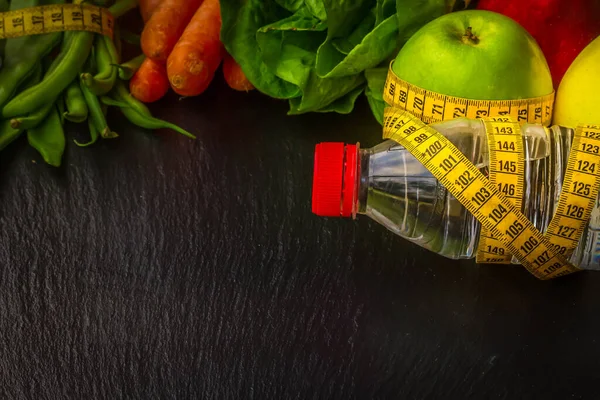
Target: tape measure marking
point(579, 191)
point(506, 172)
point(480, 197)
point(56, 18)
point(432, 107)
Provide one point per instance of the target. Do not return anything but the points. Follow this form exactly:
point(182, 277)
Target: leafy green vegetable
point(344, 105)
point(241, 19)
point(320, 55)
point(289, 50)
point(316, 8)
point(344, 15)
point(346, 44)
point(319, 93)
point(374, 91)
point(291, 5)
point(374, 48)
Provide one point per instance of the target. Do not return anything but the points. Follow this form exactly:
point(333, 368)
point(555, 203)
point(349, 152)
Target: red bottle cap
point(334, 179)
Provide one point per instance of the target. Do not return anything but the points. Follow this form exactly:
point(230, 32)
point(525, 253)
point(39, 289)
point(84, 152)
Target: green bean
point(121, 7)
point(34, 118)
point(7, 133)
point(128, 69)
point(102, 58)
point(122, 93)
point(48, 138)
point(93, 135)
point(113, 50)
point(34, 78)
point(22, 54)
point(105, 79)
point(72, 61)
point(77, 110)
point(141, 120)
point(109, 101)
point(146, 122)
point(96, 115)
point(60, 106)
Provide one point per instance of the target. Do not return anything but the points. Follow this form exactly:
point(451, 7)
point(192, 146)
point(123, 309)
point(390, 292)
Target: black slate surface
point(155, 267)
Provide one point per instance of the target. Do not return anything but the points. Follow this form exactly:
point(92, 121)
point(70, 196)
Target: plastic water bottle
point(389, 185)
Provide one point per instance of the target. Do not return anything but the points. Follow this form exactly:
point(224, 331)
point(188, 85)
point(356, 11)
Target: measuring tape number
point(56, 18)
point(432, 107)
point(506, 172)
point(544, 256)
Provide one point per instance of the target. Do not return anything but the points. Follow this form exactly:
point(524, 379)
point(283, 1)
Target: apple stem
point(469, 37)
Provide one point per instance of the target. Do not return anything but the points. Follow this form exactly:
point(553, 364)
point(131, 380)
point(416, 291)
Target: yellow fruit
point(578, 96)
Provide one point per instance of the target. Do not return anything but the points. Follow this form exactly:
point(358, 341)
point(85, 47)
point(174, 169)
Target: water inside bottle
point(397, 191)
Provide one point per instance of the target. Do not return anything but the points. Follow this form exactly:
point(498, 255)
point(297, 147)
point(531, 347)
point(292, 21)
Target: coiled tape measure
point(56, 18)
point(496, 200)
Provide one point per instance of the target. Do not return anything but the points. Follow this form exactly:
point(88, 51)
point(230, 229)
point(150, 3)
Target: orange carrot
point(234, 76)
point(150, 82)
point(198, 53)
point(165, 26)
point(147, 8)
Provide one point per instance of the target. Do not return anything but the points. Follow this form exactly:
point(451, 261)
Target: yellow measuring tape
point(432, 107)
point(56, 18)
point(506, 172)
point(496, 202)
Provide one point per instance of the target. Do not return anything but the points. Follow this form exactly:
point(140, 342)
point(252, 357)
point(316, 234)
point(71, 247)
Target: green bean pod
point(36, 117)
point(33, 119)
point(141, 120)
point(7, 133)
point(121, 7)
point(77, 110)
point(60, 106)
point(107, 75)
point(102, 58)
point(129, 68)
point(96, 114)
point(122, 93)
point(48, 138)
point(93, 135)
point(23, 54)
point(73, 59)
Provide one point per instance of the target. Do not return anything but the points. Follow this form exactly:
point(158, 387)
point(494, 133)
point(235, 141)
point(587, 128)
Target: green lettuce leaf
point(374, 48)
point(288, 49)
point(291, 5)
point(322, 54)
point(344, 15)
point(345, 104)
point(375, 82)
point(346, 44)
point(318, 93)
point(384, 10)
point(241, 19)
point(316, 8)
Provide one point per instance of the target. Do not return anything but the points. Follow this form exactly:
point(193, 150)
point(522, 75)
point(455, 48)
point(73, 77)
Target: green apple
point(475, 54)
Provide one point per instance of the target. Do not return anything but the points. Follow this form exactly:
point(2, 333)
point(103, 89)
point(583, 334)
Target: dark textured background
point(153, 266)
